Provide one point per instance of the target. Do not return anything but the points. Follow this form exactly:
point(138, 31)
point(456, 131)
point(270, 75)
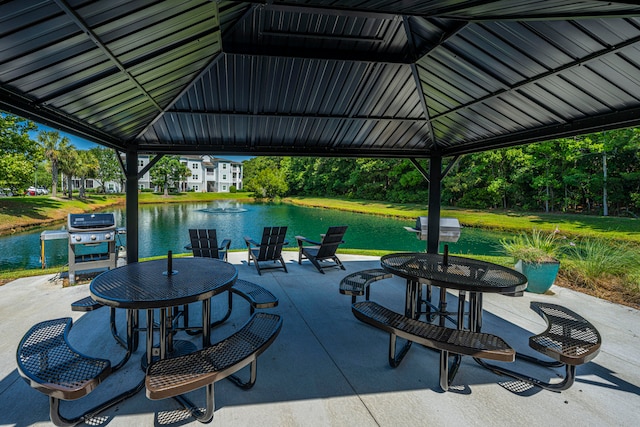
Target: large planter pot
point(539, 275)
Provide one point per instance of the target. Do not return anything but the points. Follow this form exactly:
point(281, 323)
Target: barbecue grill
point(449, 229)
point(92, 242)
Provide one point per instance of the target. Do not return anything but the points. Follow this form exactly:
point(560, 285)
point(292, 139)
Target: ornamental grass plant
point(592, 262)
point(535, 247)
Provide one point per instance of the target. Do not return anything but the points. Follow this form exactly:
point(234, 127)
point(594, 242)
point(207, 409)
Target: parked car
point(41, 191)
point(6, 192)
point(31, 191)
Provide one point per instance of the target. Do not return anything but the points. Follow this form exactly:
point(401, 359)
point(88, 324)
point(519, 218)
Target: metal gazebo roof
point(368, 78)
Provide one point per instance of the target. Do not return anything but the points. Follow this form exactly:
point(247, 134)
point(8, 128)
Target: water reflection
point(165, 227)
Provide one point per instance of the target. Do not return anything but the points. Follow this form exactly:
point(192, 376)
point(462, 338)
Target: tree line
point(577, 174)
point(597, 173)
point(25, 162)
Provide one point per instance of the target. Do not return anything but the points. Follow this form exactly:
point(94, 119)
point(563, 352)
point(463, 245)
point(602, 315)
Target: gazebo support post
point(132, 206)
point(433, 226)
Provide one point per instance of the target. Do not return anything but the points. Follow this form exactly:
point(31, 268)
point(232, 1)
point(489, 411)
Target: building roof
point(368, 78)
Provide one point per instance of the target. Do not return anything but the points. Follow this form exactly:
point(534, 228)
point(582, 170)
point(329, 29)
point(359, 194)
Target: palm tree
point(68, 164)
point(53, 146)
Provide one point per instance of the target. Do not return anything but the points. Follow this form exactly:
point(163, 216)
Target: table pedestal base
point(180, 348)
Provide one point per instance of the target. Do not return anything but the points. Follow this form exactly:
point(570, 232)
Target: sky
point(83, 144)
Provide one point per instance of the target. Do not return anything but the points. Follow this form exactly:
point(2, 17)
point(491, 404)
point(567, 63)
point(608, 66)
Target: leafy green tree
point(19, 154)
point(269, 184)
point(168, 172)
point(407, 184)
point(54, 146)
point(108, 166)
point(86, 167)
point(252, 167)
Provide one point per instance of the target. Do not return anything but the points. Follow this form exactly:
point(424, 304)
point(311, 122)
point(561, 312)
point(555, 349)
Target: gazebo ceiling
point(368, 78)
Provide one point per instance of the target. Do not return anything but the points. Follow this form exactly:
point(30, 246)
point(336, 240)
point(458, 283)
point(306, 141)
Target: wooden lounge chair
point(269, 249)
point(324, 250)
point(204, 243)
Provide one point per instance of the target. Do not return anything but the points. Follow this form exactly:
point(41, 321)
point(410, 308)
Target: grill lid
point(449, 229)
point(91, 222)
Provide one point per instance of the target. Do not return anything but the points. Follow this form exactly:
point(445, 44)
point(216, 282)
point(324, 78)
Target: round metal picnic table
point(146, 285)
point(451, 272)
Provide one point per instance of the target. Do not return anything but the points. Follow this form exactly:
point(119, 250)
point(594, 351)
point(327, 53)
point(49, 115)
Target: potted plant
point(536, 255)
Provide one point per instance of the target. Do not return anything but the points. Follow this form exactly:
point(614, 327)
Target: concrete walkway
point(328, 369)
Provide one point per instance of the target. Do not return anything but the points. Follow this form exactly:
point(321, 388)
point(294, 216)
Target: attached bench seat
point(176, 376)
point(257, 296)
point(49, 364)
point(570, 340)
point(446, 340)
point(357, 284)
point(85, 304)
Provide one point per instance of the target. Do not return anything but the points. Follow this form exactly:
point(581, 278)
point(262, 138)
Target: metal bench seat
point(85, 304)
point(570, 340)
point(446, 340)
point(357, 284)
point(50, 365)
point(257, 296)
point(176, 376)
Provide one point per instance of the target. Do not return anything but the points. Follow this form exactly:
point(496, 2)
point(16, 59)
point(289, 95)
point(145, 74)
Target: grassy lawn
point(570, 225)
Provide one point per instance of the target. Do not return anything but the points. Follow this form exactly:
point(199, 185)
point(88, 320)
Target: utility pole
point(605, 208)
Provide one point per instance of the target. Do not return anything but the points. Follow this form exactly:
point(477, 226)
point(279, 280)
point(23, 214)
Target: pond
point(165, 227)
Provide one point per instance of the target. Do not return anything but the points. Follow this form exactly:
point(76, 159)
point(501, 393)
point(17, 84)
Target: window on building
point(194, 166)
point(224, 176)
point(224, 166)
point(194, 177)
point(140, 163)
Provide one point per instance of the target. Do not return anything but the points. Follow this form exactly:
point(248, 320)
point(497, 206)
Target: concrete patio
point(327, 368)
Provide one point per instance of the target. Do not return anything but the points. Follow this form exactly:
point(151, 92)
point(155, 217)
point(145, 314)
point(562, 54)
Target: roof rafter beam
point(455, 12)
point(292, 116)
point(418, 83)
point(610, 121)
point(188, 86)
point(22, 106)
point(544, 16)
point(447, 35)
point(578, 62)
point(258, 150)
point(94, 38)
point(328, 54)
point(324, 10)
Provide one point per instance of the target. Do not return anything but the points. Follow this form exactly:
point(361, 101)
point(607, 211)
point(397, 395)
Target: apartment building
point(208, 174)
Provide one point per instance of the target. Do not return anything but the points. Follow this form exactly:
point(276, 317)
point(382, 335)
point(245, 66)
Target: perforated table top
point(145, 285)
point(460, 273)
